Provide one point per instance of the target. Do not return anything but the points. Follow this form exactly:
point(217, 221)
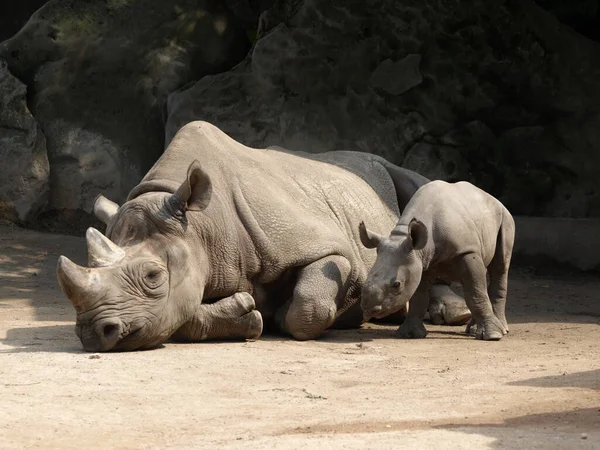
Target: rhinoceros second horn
point(101, 250)
point(104, 209)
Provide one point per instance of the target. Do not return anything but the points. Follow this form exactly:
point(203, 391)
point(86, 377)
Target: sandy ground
point(358, 389)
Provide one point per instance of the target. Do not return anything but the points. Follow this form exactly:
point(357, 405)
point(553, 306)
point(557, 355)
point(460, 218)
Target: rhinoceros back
point(297, 206)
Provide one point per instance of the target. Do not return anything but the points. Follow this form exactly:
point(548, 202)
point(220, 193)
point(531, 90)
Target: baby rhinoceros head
point(397, 271)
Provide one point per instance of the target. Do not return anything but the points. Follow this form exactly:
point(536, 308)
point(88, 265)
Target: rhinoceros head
point(397, 271)
point(144, 280)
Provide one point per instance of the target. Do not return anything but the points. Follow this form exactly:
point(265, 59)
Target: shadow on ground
point(44, 339)
point(586, 380)
point(569, 429)
point(527, 427)
point(28, 271)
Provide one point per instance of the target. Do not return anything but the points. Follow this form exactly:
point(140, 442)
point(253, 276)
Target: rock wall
point(99, 73)
point(499, 93)
point(24, 165)
point(14, 14)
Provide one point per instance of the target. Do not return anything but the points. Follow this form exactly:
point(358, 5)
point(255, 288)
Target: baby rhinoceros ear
point(368, 238)
point(418, 234)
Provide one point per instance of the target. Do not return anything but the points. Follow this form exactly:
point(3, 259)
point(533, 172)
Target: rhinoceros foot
point(490, 330)
point(254, 324)
point(250, 322)
point(411, 329)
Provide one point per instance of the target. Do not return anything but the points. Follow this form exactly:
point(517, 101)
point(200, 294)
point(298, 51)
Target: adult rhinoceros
point(216, 226)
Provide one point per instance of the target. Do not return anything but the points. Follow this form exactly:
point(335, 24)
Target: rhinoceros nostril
point(111, 332)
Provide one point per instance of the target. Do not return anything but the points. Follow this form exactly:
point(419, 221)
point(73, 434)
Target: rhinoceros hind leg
point(320, 287)
point(474, 283)
point(446, 307)
point(498, 270)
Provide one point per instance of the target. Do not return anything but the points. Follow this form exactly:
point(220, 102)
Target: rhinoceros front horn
point(101, 250)
point(75, 281)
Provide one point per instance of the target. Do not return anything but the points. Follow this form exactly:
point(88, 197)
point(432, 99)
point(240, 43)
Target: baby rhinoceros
point(449, 231)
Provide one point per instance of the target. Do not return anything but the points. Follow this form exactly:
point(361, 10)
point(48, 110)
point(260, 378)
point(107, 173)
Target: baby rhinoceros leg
point(473, 278)
point(413, 327)
point(232, 317)
point(498, 269)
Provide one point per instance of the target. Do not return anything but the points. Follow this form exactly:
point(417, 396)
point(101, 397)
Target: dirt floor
point(537, 388)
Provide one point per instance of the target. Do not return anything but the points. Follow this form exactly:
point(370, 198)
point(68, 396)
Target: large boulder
point(24, 164)
point(247, 12)
point(497, 92)
point(582, 15)
point(14, 14)
point(99, 73)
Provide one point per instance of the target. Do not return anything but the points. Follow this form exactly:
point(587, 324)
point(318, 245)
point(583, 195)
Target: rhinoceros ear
point(418, 234)
point(368, 238)
point(104, 209)
point(195, 192)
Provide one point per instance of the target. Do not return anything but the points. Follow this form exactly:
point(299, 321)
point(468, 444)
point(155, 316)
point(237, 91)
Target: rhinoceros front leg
point(232, 317)
point(320, 288)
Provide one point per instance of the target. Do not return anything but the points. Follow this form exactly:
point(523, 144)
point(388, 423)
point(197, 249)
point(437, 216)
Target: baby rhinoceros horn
point(101, 250)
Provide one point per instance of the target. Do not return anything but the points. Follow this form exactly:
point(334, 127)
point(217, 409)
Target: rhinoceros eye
point(153, 276)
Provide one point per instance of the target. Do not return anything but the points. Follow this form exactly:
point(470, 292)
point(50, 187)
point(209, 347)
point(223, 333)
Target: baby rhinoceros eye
point(397, 286)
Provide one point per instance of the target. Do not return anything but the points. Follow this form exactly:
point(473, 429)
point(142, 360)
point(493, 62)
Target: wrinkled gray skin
point(219, 237)
point(452, 231)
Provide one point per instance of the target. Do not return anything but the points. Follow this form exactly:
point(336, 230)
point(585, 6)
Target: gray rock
point(582, 15)
point(396, 78)
point(437, 162)
point(24, 164)
point(322, 76)
point(574, 242)
point(99, 75)
point(247, 12)
point(13, 15)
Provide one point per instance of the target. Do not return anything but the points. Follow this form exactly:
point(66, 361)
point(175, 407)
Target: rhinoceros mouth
point(130, 336)
point(136, 340)
point(135, 332)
